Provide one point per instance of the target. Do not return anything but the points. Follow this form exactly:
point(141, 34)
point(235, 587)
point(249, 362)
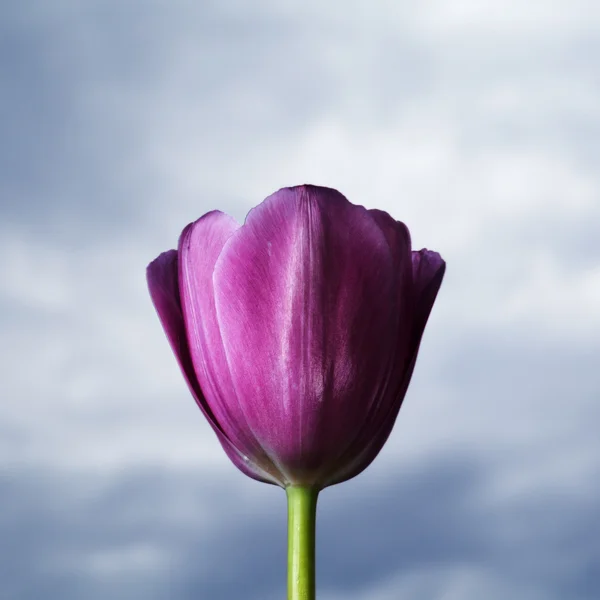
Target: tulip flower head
point(297, 332)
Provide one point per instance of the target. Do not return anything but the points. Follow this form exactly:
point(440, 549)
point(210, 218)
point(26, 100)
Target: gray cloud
point(78, 534)
point(478, 127)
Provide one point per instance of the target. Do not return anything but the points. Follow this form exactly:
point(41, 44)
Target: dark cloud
point(98, 99)
point(213, 543)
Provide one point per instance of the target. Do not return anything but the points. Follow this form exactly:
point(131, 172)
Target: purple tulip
point(298, 331)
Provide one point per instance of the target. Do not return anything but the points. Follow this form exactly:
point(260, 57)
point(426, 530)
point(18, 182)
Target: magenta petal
point(200, 244)
point(199, 247)
point(163, 284)
point(357, 456)
point(162, 277)
point(426, 277)
point(398, 238)
point(306, 297)
point(298, 332)
point(428, 272)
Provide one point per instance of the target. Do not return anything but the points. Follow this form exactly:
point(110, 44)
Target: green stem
point(302, 513)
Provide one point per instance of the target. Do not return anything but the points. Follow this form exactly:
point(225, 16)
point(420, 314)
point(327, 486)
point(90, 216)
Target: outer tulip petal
point(305, 298)
point(161, 275)
point(199, 247)
point(352, 461)
point(162, 280)
point(398, 238)
point(428, 270)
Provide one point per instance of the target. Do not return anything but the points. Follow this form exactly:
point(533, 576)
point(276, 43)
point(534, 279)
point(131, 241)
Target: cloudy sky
point(477, 122)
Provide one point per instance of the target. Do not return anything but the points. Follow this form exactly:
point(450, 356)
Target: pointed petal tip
point(429, 269)
point(308, 187)
point(209, 219)
point(306, 191)
point(428, 261)
point(431, 255)
point(161, 276)
point(163, 258)
point(391, 227)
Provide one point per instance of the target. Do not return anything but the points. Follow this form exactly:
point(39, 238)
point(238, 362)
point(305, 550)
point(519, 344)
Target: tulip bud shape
point(298, 331)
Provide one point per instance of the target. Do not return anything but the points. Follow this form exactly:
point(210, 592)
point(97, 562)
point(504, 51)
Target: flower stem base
point(302, 513)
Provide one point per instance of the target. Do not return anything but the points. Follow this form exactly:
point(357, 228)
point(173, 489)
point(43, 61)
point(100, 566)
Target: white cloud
point(471, 121)
point(447, 582)
point(537, 19)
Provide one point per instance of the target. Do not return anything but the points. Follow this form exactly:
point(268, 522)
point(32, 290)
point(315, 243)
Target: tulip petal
point(428, 270)
point(164, 291)
point(305, 298)
point(352, 461)
point(199, 247)
point(162, 277)
point(398, 238)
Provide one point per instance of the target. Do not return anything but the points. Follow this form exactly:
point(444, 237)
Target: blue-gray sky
point(475, 122)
